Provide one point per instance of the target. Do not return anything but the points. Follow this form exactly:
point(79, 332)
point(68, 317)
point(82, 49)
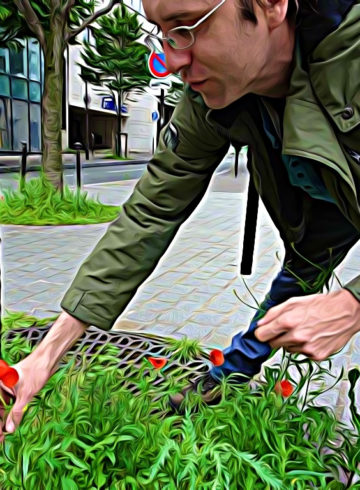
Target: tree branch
point(25, 8)
point(67, 7)
point(91, 19)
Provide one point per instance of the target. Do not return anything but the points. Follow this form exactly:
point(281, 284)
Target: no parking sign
point(157, 65)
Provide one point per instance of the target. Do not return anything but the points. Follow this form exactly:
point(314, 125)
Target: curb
point(111, 163)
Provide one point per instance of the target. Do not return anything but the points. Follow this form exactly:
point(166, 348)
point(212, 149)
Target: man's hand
point(317, 325)
point(37, 368)
point(31, 380)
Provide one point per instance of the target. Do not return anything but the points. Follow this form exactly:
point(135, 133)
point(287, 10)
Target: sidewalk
point(190, 293)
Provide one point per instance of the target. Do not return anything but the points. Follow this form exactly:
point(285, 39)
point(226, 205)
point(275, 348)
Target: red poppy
point(4, 367)
point(10, 378)
point(284, 388)
point(217, 357)
point(157, 362)
point(8, 375)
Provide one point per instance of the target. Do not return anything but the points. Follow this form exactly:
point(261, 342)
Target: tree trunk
point(52, 107)
point(119, 145)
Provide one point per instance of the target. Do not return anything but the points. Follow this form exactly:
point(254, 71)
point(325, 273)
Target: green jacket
point(322, 114)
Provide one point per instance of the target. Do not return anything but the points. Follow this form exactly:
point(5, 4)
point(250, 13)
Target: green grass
point(18, 319)
point(40, 204)
point(111, 156)
point(86, 430)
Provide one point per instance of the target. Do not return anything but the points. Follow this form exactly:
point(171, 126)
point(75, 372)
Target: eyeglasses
point(181, 37)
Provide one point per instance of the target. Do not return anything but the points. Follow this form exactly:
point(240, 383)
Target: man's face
point(228, 54)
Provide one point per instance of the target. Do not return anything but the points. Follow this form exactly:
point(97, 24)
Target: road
point(224, 182)
point(93, 175)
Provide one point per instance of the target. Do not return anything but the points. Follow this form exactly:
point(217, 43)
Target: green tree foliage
point(117, 61)
point(55, 24)
point(175, 92)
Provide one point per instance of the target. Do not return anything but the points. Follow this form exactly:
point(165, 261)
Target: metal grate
point(132, 348)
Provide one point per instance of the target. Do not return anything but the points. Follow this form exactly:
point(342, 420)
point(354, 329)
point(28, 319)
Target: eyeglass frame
point(187, 28)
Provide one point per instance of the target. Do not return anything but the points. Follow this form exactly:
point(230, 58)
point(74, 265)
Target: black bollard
point(23, 164)
point(78, 147)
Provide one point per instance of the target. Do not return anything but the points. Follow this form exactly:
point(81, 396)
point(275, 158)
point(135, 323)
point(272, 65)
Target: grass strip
point(39, 203)
point(87, 430)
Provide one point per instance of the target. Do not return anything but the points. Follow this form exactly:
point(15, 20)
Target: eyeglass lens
point(180, 39)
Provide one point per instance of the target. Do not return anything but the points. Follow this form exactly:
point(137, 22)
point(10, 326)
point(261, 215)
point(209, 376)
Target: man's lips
point(197, 85)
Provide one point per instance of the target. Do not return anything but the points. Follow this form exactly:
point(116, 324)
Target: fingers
point(15, 416)
point(268, 332)
point(6, 395)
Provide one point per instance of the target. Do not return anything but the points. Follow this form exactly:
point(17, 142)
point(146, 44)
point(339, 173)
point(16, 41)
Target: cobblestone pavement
point(190, 292)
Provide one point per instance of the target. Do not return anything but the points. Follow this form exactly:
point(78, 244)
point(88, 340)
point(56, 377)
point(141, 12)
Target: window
point(20, 123)
point(4, 85)
point(35, 127)
point(19, 88)
point(35, 92)
point(4, 60)
point(18, 62)
point(34, 60)
point(5, 127)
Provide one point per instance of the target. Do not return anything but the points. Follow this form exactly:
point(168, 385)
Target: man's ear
point(275, 12)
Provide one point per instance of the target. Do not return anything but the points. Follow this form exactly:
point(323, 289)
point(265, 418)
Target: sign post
point(162, 85)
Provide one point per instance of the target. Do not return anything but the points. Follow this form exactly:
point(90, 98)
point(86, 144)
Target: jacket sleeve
point(354, 287)
point(168, 192)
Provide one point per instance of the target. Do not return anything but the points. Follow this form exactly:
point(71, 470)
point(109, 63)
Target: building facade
point(88, 116)
point(21, 83)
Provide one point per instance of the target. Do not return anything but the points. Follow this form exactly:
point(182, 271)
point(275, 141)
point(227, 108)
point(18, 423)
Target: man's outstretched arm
point(38, 367)
point(172, 186)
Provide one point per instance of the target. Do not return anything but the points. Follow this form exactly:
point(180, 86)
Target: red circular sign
point(157, 65)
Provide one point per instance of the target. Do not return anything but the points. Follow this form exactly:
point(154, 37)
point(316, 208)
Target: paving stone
point(176, 317)
point(213, 319)
point(216, 340)
point(194, 331)
point(142, 315)
point(160, 329)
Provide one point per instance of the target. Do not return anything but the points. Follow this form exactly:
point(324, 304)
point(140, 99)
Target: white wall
point(139, 124)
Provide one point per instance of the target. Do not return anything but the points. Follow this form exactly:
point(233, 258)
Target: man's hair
point(247, 8)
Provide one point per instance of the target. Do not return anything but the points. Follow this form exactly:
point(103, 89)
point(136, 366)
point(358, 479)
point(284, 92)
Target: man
point(288, 87)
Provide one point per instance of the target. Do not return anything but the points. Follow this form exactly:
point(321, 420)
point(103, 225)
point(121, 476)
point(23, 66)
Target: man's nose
point(176, 59)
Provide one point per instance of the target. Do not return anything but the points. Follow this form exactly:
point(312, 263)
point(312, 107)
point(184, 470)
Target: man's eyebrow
point(180, 15)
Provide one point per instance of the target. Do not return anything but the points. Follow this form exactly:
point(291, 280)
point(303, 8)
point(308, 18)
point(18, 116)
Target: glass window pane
point(42, 68)
point(5, 126)
point(20, 123)
point(35, 126)
point(18, 62)
point(4, 85)
point(34, 60)
point(19, 88)
point(4, 60)
point(35, 92)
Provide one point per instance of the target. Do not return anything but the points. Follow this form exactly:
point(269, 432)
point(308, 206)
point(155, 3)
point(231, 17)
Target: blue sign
point(108, 103)
point(155, 115)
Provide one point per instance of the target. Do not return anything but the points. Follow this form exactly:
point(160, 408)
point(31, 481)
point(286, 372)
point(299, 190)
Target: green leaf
point(68, 484)
point(76, 461)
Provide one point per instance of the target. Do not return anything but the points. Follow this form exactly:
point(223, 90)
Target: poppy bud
point(157, 362)
point(284, 388)
point(217, 357)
